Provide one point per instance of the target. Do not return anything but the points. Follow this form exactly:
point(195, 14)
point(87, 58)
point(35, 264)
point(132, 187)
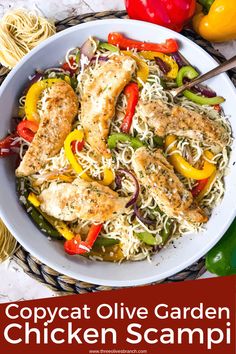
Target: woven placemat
point(59, 282)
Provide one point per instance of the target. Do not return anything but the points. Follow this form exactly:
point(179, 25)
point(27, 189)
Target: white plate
point(170, 260)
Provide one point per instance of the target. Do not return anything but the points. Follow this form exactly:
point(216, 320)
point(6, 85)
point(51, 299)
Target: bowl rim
point(115, 283)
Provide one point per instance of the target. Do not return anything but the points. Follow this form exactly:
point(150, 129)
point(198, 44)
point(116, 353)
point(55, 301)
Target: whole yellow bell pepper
point(33, 96)
point(143, 70)
point(184, 168)
point(78, 135)
point(219, 24)
point(172, 74)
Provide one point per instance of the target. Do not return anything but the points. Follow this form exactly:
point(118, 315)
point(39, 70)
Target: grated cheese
point(125, 227)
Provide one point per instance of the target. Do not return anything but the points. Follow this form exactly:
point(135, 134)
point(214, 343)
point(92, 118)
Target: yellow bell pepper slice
point(67, 79)
point(207, 187)
point(75, 135)
point(108, 177)
point(63, 178)
point(33, 199)
point(79, 135)
point(143, 70)
point(33, 96)
point(172, 74)
point(184, 168)
point(59, 225)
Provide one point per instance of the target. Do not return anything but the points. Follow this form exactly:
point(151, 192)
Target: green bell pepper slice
point(112, 48)
point(77, 57)
point(43, 225)
point(190, 73)
point(106, 242)
point(116, 137)
point(166, 232)
point(221, 259)
point(158, 141)
point(147, 238)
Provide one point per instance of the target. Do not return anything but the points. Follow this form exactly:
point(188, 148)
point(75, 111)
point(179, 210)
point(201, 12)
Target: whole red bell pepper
point(173, 14)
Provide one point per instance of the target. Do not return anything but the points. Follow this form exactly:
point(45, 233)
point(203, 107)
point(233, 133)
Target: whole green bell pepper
point(221, 259)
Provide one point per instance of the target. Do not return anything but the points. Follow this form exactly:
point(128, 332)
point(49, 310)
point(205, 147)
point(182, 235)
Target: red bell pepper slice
point(217, 108)
point(77, 145)
point(76, 246)
point(27, 129)
point(170, 45)
point(65, 66)
point(199, 187)
point(131, 92)
point(8, 145)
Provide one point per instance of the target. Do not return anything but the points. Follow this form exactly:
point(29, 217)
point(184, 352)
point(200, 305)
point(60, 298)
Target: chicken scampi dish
point(107, 161)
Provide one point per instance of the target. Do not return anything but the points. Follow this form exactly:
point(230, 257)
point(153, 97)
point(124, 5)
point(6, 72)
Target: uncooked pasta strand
point(21, 31)
point(8, 243)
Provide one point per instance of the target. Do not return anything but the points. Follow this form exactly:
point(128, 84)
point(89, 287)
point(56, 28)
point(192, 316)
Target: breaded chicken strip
point(156, 174)
point(183, 122)
point(56, 122)
point(89, 201)
point(99, 99)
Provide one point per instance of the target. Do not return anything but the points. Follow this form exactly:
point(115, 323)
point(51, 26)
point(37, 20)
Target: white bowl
point(170, 260)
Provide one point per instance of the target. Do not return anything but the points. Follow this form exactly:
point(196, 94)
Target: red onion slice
point(144, 220)
point(165, 68)
point(88, 49)
point(32, 80)
point(134, 179)
point(205, 91)
point(118, 181)
point(180, 59)
point(36, 77)
point(100, 58)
